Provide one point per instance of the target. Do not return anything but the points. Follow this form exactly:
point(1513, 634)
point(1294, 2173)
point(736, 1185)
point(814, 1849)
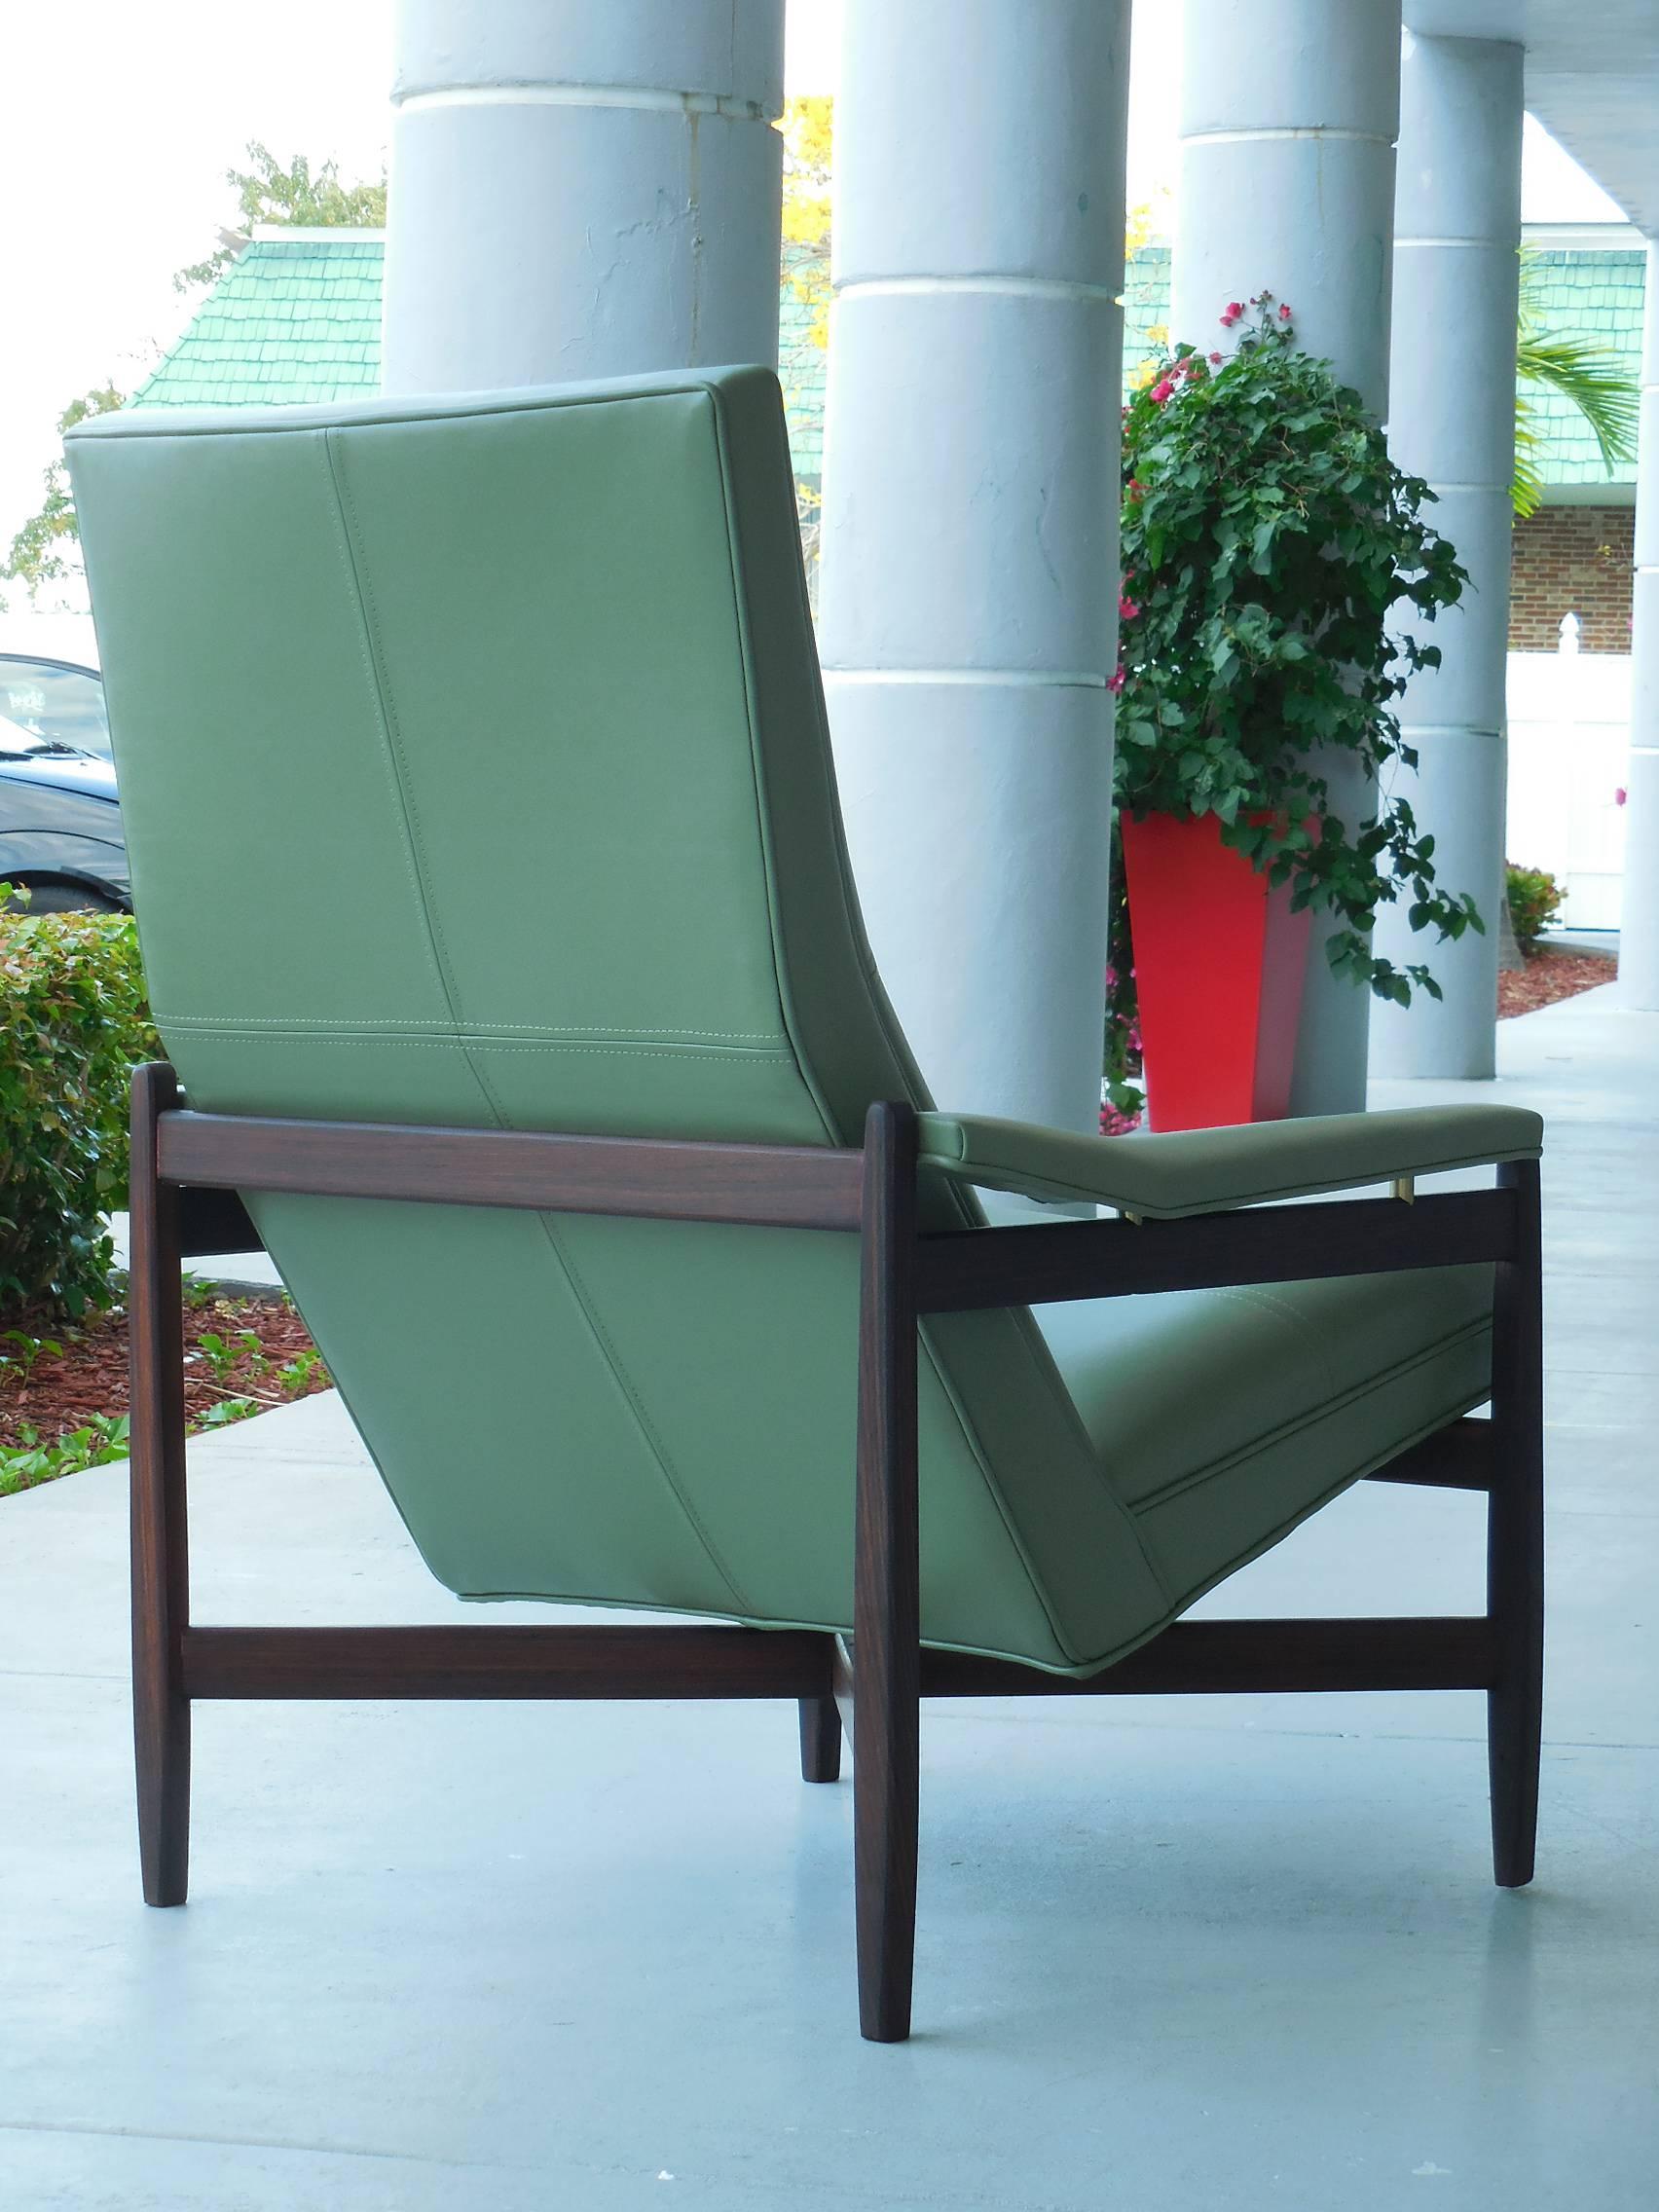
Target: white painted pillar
point(969, 622)
point(1638, 924)
point(1290, 109)
point(581, 190)
point(1452, 421)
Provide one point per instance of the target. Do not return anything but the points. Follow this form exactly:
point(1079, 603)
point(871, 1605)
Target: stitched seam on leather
point(481, 1031)
point(1029, 1333)
point(386, 414)
point(981, 1459)
point(348, 561)
point(648, 1427)
point(376, 661)
point(467, 1046)
point(1283, 1528)
point(381, 676)
point(1268, 1301)
point(1337, 1402)
point(509, 1597)
point(1021, 1177)
point(1260, 1297)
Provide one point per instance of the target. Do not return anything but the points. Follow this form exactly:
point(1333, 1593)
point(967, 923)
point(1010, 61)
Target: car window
point(65, 705)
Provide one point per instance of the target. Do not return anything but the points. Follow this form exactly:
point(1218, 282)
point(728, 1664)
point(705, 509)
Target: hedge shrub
point(73, 1020)
point(1534, 897)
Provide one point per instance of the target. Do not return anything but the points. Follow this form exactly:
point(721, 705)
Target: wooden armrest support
point(962, 1269)
point(760, 1186)
point(214, 1155)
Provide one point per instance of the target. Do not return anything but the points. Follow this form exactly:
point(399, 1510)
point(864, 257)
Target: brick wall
point(1573, 561)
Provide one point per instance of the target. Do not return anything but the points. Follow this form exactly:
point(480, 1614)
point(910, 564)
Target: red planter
point(1219, 963)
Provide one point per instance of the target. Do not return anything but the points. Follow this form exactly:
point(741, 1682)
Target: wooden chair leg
point(886, 1594)
point(161, 1577)
point(819, 1740)
point(1515, 1541)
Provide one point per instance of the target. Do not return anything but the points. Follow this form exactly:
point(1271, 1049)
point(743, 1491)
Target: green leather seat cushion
point(1225, 1416)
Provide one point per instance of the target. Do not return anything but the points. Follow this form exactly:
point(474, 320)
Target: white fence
point(1568, 749)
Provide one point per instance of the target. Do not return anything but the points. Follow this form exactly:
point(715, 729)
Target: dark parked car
point(59, 819)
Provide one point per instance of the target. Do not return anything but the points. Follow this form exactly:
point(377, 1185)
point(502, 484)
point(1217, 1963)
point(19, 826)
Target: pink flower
point(1136, 488)
point(1285, 313)
point(1234, 310)
point(1127, 608)
point(1162, 391)
point(1620, 795)
point(1215, 358)
point(1115, 683)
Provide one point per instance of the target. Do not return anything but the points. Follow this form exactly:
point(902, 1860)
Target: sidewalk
point(1174, 1955)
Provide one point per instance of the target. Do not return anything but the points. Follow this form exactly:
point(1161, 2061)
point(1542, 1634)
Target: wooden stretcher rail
point(1191, 1658)
point(760, 1186)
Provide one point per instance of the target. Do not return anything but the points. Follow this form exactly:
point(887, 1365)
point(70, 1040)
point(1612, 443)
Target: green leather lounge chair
point(546, 1049)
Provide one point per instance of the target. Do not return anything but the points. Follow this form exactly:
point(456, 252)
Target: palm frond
point(1585, 375)
point(1588, 378)
point(1527, 493)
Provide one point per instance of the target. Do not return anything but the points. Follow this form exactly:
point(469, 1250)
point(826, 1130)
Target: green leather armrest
point(1208, 1171)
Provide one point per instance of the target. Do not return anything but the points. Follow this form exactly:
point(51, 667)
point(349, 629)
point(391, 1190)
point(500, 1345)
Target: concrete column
point(1290, 109)
point(1639, 926)
point(1452, 420)
point(970, 527)
point(581, 191)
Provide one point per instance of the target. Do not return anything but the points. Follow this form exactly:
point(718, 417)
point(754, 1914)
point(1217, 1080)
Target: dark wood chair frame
point(187, 1168)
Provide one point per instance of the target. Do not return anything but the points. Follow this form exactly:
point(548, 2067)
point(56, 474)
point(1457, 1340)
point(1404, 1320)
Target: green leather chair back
point(474, 769)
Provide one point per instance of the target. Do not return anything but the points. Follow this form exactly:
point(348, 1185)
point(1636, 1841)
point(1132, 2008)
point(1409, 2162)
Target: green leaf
point(1272, 537)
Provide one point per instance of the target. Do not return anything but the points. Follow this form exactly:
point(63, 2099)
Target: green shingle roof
point(291, 319)
point(298, 319)
point(1591, 292)
point(803, 366)
point(1597, 295)
point(1146, 305)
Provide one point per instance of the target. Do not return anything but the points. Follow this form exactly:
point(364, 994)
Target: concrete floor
point(1191, 1954)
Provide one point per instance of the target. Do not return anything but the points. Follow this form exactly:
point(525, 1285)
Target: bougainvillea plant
point(1268, 538)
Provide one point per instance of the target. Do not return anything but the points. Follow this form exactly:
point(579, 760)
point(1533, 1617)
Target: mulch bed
point(1551, 975)
point(241, 1373)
